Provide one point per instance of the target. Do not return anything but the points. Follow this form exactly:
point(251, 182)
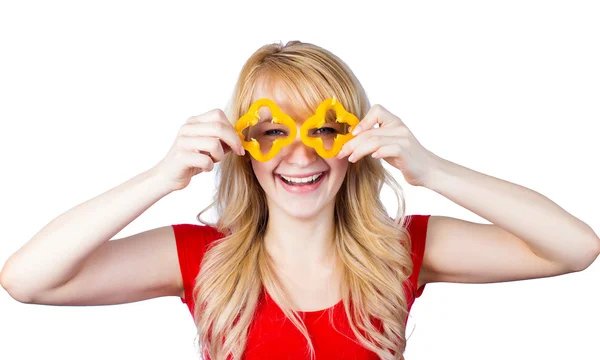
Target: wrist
point(158, 182)
point(436, 172)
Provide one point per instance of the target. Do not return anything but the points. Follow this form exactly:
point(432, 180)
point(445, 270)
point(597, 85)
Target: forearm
point(54, 254)
point(549, 231)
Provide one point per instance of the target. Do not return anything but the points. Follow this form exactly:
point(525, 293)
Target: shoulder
point(195, 234)
point(192, 241)
point(416, 225)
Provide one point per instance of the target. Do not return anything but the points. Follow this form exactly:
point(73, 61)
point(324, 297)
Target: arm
point(60, 249)
point(530, 236)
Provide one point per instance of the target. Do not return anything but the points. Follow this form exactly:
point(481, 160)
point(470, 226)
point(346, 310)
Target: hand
point(200, 143)
point(393, 142)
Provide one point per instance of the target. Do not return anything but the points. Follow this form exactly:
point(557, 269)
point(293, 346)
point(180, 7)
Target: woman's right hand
point(200, 143)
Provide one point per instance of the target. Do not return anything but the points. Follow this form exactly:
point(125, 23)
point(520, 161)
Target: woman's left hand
point(393, 142)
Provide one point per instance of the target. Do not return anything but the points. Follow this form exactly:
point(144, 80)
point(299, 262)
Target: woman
point(318, 272)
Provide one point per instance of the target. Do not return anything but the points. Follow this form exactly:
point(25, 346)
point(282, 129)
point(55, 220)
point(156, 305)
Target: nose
point(298, 153)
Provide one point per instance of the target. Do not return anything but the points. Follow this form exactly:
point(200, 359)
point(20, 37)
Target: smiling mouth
point(304, 183)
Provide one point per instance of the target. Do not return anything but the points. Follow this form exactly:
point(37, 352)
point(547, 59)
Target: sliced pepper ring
point(318, 120)
point(278, 117)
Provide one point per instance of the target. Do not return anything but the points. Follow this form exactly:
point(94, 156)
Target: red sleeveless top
point(272, 335)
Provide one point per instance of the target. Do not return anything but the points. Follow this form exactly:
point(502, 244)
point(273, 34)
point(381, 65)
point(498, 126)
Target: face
point(296, 161)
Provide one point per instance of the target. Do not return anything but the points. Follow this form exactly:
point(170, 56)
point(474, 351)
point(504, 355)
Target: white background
point(92, 94)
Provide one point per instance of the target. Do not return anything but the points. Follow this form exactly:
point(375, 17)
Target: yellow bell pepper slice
point(318, 120)
point(278, 117)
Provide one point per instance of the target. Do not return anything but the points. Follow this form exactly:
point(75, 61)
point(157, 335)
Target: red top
point(272, 335)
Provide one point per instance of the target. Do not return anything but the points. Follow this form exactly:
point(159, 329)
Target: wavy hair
point(373, 248)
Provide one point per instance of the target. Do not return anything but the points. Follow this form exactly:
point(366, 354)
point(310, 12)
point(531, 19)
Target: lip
point(302, 175)
point(305, 189)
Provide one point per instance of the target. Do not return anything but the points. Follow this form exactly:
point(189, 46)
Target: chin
point(309, 214)
point(299, 209)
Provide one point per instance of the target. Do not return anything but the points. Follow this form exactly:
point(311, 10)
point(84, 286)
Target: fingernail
point(341, 154)
point(356, 130)
point(241, 151)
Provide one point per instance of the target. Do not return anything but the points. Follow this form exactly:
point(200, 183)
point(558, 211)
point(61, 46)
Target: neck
point(293, 241)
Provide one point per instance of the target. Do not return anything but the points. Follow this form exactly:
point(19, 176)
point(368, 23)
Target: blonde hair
point(372, 246)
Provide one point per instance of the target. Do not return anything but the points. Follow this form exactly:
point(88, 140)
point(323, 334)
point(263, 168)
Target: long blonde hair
point(372, 246)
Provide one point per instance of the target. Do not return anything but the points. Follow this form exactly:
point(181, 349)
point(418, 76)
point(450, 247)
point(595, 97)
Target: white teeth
point(302, 180)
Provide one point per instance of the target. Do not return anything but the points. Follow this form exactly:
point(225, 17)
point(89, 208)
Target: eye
point(270, 132)
point(326, 130)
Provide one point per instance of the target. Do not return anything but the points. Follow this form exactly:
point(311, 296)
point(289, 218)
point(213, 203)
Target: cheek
point(261, 170)
point(338, 167)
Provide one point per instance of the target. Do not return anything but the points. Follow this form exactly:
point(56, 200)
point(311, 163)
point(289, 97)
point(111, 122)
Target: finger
point(350, 145)
point(377, 114)
point(210, 116)
point(389, 150)
point(393, 131)
point(369, 147)
point(205, 145)
point(225, 132)
point(200, 161)
point(217, 116)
